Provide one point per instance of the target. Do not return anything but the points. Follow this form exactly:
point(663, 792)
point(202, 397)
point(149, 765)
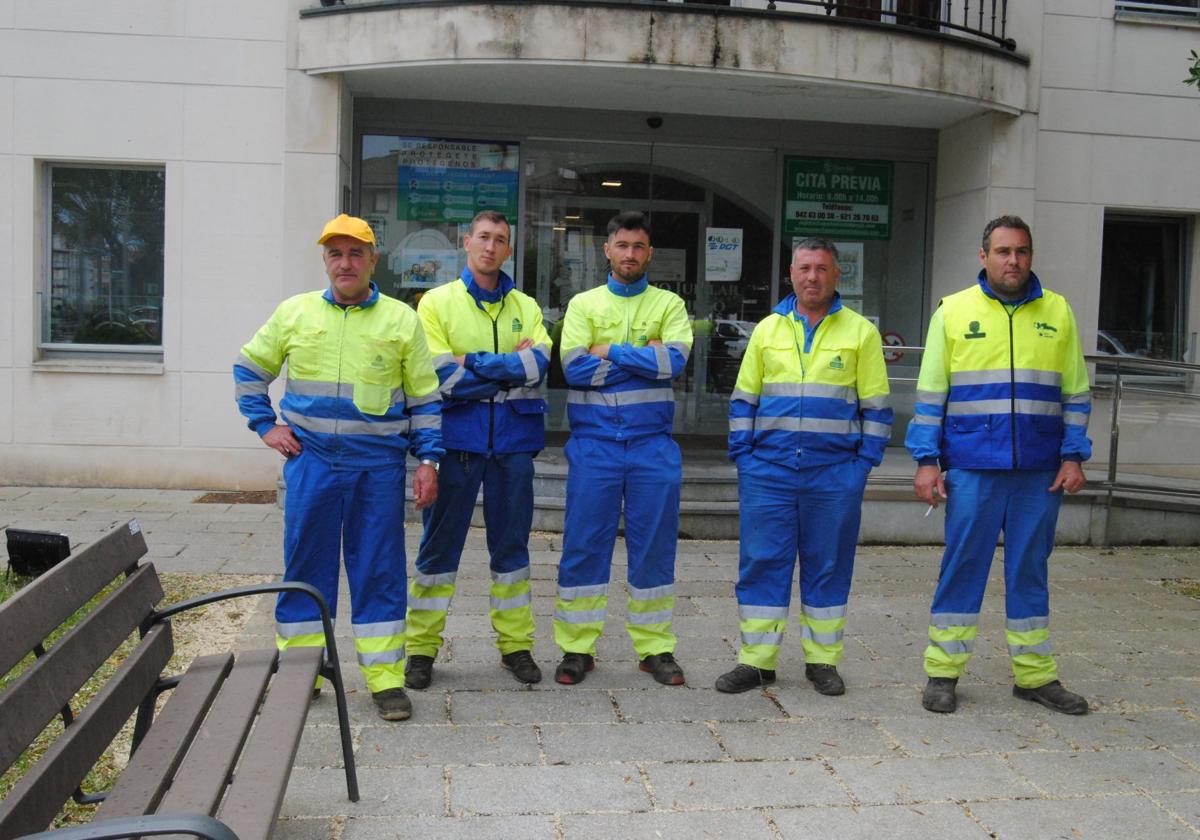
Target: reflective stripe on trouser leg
point(594, 485)
point(653, 477)
point(766, 558)
point(1031, 514)
point(446, 522)
point(429, 599)
point(579, 617)
point(821, 630)
point(951, 643)
point(829, 513)
point(974, 517)
point(762, 635)
point(511, 610)
point(373, 547)
point(508, 515)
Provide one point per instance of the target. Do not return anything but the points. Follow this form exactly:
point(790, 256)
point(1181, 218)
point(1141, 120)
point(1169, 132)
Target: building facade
point(165, 166)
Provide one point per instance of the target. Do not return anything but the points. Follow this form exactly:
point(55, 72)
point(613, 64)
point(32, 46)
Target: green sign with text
point(837, 197)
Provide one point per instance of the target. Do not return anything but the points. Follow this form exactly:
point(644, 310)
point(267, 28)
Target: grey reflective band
point(615, 399)
point(425, 399)
point(376, 629)
point(662, 358)
point(652, 593)
point(746, 611)
point(292, 629)
point(957, 408)
point(823, 613)
point(601, 372)
point(426, 421)
point(744, 396)
point(501, 604)
point(775, 639)
point(453, 379)
point(429, 604)
point(870, 427)
point(1043, 649)
point(1004, 376)
point(243, 361)
point(579, 616)
point(524, 394)
point(801, 389)
point(655, 617)
point(444, 359)
point(927, 420)
point(683, 347)
point(252, 387)
point(833, 638)
point(1077, 399)
point(504, 578)
point(570, 593)
point(807, 424)
point(937, 398)
point(955, 647)
point(1025, 625)
point(434, 580)
point(741, 424)
point(381, 657)
point(331, 426)
point(879, 402)
point(573, 354)
point(532, 374)
point(944, 621)
point(1075, 418)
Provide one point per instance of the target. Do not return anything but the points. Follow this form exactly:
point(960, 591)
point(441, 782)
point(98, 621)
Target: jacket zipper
point(1012, 382)
point(492, 400)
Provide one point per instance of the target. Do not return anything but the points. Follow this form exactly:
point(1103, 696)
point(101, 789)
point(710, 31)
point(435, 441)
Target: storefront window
point(1141, 287)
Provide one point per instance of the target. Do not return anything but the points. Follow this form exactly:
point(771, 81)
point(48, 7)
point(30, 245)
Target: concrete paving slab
point(629, 742)
point(1111, 818)
point(1088, 774)
point(804, 738)
point(871, 822)
point(578, 788)
point(669, 825)
point(451, 828)
point(732, 785)
point(441, 745)
point(912, 780)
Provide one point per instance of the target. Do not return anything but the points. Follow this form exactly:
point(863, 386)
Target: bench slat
point(206, 769)
point(260, 781)
point(36, 696)
point(32, 614)
point(37, 797)
point(150, 769)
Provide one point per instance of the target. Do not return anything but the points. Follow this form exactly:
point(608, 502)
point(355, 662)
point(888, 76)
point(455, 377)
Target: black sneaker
point(574, 668)
point(825, 679)
point(523, 668)
point(418, 671)
point(663, 667)
point(743, 678)
point(939, 695)
point(1052, 695)
point(392, 704)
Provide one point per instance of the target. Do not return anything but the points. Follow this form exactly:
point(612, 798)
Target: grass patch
point(1184, 586)
point(205, 630)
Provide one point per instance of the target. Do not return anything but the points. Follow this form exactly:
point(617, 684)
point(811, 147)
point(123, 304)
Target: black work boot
point(1052, 695)
point(663, 667)
point(939, 696)
point(418, 671)
point(523, 668)
point(825, 679)
point(574, 668)
point(392, 704)
point(743, 678)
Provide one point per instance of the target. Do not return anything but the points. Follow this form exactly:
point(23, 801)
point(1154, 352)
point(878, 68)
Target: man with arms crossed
point(491, 353)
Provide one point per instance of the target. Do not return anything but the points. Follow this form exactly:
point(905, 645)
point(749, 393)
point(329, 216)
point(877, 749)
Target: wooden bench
point(214, 763)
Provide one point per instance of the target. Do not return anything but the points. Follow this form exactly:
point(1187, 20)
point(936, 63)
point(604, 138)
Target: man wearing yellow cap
point(361, 392)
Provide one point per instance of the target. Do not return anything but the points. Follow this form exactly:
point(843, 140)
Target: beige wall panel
point(1070, 60)
point(8, 278)
point(96, 120)
point(7, 12)
point(175, 269)
point(26, 255)
point(1078, 8)
point(860, 55)
point(89, 408)
point(1064, 166)
point(6, 405)
point(7, 117)
point(311, 108)
point(1150, 59)
point(252, 20)
point(1014, 151)
point(957, 223)
point(124, 17)
point(310, 188)
point(1007, 201)
point(233, 124)
point(964, 150)
point(217, 326)
point(619, 38)
point(210, 416)
point(119, 466)
point(1099, 112)
point(917, 63)
point(1145, 173)
point(1066, 246)
point(807, 50)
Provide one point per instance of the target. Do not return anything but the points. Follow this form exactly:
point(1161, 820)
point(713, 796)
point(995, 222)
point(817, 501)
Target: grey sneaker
point(392, 704)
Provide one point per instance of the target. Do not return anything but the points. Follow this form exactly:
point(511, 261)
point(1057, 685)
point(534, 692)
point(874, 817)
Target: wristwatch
point(429, 461)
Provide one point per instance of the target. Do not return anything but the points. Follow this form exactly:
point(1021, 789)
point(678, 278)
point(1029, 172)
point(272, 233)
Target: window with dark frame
point(104, 270)
point(1142, 293)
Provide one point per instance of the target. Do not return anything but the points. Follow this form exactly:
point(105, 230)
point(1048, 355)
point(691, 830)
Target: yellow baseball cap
point(351, 226)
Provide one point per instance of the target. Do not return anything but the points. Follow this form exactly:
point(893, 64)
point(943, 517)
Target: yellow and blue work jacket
point(360, 389)
point(491, 402)
point(811, 395)
point(629, 394)
point(1002, 386)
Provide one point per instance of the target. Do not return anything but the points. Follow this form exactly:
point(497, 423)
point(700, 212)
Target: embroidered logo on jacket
point(974, 333)
point(516, 325)
point(1045, 330)
point(837, 363)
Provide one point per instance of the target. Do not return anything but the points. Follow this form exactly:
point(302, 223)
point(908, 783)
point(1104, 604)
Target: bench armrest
point(196, 825)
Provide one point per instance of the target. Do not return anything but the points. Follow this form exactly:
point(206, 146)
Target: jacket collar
point(787, 307)
point(627, 289)
point(482, 295)
point(1033, 292)
point(371, 300)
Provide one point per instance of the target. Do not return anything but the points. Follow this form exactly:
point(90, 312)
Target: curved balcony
point(832, 62)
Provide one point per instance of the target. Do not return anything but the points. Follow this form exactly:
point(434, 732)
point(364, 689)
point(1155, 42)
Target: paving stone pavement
point(622, 757)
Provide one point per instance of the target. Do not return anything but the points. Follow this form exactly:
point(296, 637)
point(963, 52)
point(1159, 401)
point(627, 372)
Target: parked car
point(730, 338)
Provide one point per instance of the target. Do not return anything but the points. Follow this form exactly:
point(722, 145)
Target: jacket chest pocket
point(378, 368)
point(781, 358)
point(305, 354)
point(608, 330)
point(838, 364)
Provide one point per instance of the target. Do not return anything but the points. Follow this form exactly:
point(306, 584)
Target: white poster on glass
point(722, 255)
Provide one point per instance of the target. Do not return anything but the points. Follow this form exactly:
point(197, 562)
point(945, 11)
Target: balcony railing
point(978, 20)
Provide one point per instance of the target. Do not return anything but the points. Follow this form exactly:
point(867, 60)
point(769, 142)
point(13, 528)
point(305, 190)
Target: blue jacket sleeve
point(521, 367)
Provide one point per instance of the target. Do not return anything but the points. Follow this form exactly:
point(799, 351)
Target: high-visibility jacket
point(491, 402)
point(361, 389)
point(629, 394)
point(1001, 386)
point(810, 395)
